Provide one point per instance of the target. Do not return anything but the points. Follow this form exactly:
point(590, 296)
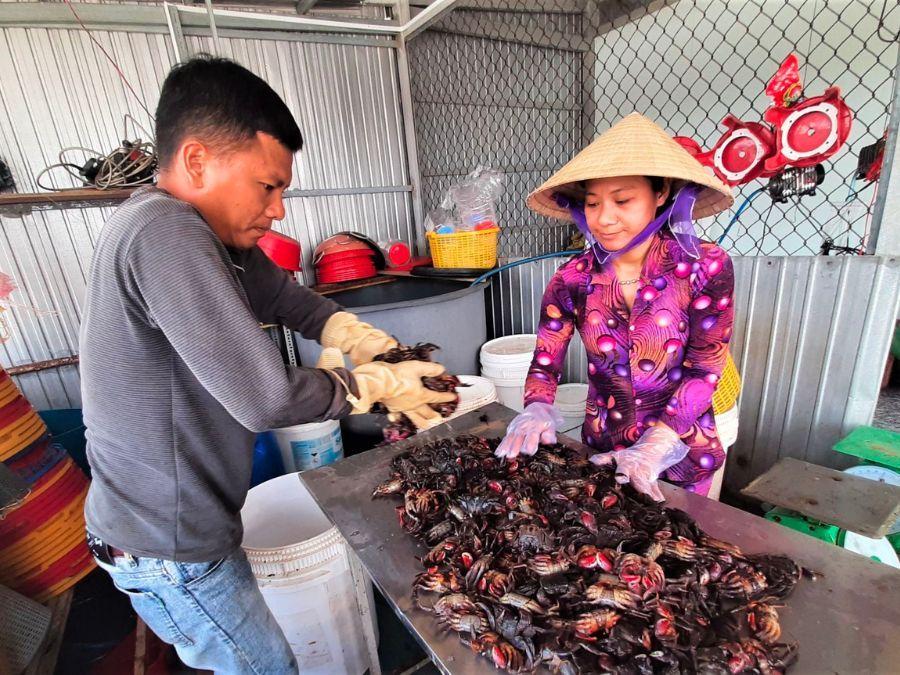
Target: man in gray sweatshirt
point(177, 376)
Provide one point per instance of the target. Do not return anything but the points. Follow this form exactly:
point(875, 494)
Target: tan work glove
point(355, 338)
point(330, 358)
point(423, 417)
point(398, 386)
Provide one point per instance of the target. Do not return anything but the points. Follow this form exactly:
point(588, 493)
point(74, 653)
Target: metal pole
point(426, 17)
point(887, 199)
point(590, 27)
point(175, 32)
point(366, 608)
point(409, 136)
point(302, 22)
point(212, 26)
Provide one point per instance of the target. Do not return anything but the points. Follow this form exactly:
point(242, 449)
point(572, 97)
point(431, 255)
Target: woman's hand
point(656, 450)
point(536, 425)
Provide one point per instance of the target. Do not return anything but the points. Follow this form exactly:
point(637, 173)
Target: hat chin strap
point(679, 216)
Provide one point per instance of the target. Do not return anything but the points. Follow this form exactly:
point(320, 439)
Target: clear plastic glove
point(537, 424)
point(656, 450)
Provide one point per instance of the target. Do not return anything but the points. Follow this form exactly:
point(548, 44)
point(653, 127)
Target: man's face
point(243, 189)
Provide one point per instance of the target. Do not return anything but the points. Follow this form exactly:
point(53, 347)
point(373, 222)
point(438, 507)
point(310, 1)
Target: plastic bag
point(469, 204)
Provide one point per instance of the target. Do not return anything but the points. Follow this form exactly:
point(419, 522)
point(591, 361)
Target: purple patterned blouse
point(659, 362)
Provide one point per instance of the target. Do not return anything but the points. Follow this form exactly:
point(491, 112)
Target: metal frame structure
point(179, 21)
point(887, 199)
point(402, 22)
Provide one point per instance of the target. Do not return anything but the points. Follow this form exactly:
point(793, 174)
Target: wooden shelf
point(22, 202)
point(328, 289)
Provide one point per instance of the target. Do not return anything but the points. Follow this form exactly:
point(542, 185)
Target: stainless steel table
point(846, 622)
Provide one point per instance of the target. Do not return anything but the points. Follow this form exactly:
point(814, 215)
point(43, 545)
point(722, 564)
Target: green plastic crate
point(874, 446)
point(895, 541)
point(797, 521)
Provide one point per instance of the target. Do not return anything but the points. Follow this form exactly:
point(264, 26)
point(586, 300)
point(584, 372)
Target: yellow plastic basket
point(729, 388)
point(476, 250)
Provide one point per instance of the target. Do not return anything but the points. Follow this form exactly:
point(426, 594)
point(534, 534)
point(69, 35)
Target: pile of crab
point(546, 561)
point(399, 426)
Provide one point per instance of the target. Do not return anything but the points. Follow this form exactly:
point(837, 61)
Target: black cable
point(765, 227)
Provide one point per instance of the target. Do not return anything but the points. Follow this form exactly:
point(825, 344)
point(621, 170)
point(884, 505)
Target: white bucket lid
point(480, 392)
point(879, 549)
point(883, 475)
point(571, 397)
point(281, 512)
point(285, 531)
point(508, 350)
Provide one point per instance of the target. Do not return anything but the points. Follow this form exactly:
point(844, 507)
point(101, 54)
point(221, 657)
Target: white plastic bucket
point(302, 566)
point(571, 400)
point(727, 426)
point(505, 362)
point(309, 446)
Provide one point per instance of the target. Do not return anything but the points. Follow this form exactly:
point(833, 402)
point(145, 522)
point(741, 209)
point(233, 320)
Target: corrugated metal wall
point(810, 339)
point(58, 90)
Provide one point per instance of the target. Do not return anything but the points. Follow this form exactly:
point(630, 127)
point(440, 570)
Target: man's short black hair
point(221, 103)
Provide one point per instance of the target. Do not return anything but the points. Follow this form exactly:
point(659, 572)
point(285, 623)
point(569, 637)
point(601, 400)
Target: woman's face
point(618, 209)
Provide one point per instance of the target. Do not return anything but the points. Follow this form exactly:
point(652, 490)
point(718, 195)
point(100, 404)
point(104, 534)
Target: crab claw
point(589, 521)
point(591, 557)
point(498, 657)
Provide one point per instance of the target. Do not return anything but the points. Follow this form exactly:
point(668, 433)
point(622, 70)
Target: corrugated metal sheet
point(811, 336)
point(58, 90)
point(345, 100)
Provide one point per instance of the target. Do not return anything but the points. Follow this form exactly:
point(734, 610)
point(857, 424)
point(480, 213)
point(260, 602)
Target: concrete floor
point(887, 412)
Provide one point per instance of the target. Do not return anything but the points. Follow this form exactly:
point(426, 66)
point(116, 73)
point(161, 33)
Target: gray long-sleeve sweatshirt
point(177, 377)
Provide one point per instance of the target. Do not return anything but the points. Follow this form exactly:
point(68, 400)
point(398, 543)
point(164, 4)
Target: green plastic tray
point(877, 446)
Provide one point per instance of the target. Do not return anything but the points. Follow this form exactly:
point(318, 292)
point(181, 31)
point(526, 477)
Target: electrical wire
point(129, 165)
point(865, 240)
point(765, 223)
point(737, 214)
point(110, 58)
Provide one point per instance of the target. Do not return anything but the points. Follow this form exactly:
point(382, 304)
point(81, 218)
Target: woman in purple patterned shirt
point(651, 302)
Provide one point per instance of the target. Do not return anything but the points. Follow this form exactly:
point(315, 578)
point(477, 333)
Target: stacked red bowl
point(343, 258)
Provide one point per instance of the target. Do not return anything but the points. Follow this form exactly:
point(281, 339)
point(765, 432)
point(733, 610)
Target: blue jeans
point(212, 612)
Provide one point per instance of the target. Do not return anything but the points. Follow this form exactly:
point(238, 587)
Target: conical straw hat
point(634, 146)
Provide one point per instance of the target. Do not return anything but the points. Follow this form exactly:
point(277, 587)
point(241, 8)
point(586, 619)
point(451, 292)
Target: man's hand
point(359, 340)
point(397, 386)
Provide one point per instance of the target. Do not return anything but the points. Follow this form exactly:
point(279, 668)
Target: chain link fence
point(523, 85)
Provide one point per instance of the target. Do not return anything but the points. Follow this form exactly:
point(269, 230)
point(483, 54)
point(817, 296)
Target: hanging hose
point(738, 213)
point(559, 254)
point(523, 261)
